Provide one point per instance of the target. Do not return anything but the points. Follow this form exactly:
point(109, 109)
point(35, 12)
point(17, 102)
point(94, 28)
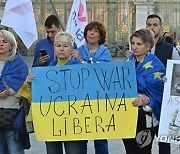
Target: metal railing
point(112, 13)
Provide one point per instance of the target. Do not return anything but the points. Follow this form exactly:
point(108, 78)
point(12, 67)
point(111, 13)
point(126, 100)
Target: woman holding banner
point(94, 52)
point(149, 73)
point(63, 47)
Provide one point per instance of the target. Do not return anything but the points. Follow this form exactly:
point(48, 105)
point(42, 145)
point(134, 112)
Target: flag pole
point(55, 11)
point(128, 22)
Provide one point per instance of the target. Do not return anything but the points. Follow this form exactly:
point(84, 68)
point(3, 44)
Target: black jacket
point(163, 51)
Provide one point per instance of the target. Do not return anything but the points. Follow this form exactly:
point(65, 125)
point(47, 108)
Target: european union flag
point(149, 74)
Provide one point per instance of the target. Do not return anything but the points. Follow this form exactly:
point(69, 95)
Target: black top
point(163, 51)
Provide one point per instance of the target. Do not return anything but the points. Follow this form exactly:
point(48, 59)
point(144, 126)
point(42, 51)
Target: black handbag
point(7, 117)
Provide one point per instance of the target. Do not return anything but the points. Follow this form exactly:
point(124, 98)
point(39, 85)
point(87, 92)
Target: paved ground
point(115, 146)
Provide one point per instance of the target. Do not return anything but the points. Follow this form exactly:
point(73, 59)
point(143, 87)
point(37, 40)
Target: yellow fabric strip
point(62, 61)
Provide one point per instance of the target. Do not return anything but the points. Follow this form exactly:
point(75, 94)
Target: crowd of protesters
point(60, 49)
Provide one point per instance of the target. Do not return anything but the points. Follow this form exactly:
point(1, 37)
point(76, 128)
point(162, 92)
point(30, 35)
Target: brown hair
point(145, 35)
point(100, 27)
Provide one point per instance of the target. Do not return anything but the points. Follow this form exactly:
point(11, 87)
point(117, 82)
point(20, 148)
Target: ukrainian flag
point(90, 101)
point(14, 73)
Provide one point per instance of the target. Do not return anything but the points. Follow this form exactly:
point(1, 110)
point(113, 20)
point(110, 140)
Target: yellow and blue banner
point(84, 102)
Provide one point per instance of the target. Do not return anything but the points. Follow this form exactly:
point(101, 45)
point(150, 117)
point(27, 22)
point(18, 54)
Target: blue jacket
point(21, 133)
point(14, 73)
point(102, 54)
point(46, 44)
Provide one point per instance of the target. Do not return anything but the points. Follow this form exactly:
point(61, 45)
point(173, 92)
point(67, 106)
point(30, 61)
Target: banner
point(169, 129)
point(77, 21)
point(84, 102)
point(20, 16)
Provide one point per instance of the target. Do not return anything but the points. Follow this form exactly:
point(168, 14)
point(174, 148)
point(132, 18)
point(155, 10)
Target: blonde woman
point(63, 48)
point(13, 72)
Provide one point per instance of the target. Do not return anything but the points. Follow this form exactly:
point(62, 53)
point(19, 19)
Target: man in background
point(163, 51)
point(52, 27)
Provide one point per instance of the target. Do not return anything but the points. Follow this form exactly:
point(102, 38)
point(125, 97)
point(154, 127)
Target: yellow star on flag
point(148, 65)
point(158, 75)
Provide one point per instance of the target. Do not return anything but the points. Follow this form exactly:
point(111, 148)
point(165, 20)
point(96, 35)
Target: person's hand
point(43, 59)
point(141, 100)
point(4, 94)
point(128, 53)
point(137, 102)
point(29, 78)
point(145, 99)
point(164, 79)
point(77, 55)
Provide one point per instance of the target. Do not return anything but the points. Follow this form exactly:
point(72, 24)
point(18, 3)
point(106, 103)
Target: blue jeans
point(101, 147)
point(13, 146)
point(71, 147)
